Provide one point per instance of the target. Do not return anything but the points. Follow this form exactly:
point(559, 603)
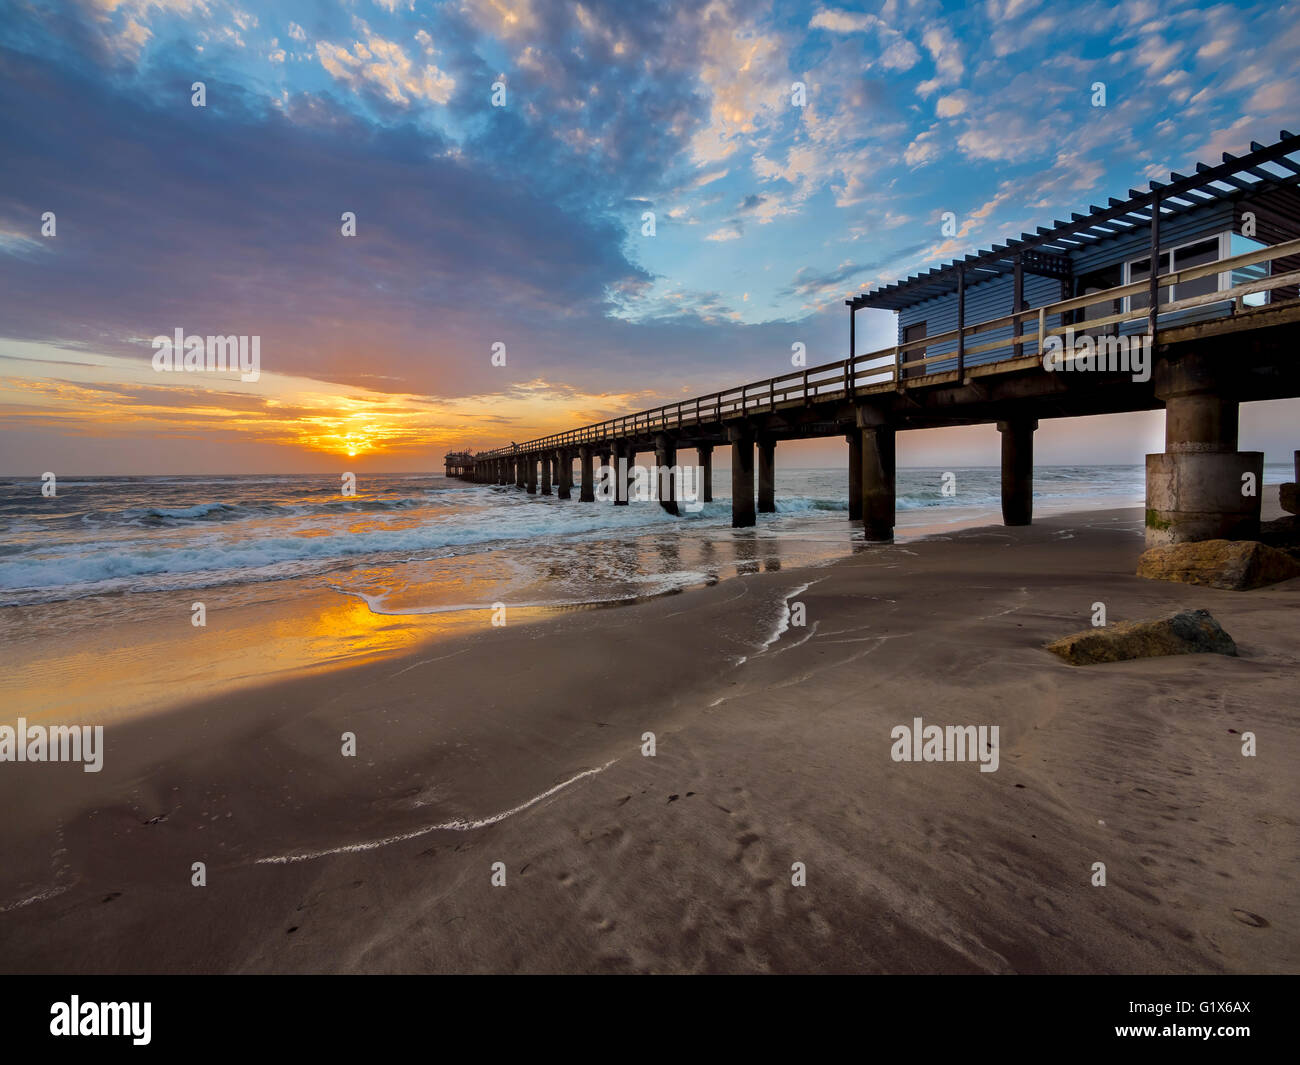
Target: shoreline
point(129, 643)
point(772, 748)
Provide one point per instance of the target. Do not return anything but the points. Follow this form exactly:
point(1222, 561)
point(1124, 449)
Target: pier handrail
point(848, 376)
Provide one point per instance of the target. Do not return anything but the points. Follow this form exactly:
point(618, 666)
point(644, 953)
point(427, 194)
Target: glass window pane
point(1140, 270)
point(1243, 275)
point(1198, 254)
point(1205, 251)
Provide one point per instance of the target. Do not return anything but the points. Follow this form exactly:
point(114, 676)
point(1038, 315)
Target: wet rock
point(1286, 496)
point(1233, 564)
point(1186, 632)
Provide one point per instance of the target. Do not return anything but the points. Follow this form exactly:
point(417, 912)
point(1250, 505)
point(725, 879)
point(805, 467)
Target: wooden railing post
point(1153, 311)
point(961, 322)
point(1017, 305)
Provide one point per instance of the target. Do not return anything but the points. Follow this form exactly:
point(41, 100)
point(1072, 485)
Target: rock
point(1184, 633)
point(1286, 497)
point(1233, 564)
point(1282, 533)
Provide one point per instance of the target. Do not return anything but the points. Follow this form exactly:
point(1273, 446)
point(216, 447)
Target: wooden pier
point(1221, 310)
point(459, 463)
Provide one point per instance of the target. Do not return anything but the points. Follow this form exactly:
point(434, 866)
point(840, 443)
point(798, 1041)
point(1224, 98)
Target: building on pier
point(1218, 320)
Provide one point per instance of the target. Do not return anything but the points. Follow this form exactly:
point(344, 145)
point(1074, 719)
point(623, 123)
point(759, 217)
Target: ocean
point(115, 536)
point(107, 575)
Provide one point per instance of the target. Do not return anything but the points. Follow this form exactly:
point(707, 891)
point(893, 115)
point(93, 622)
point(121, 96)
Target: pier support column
point(877, 476)
point(1287, 492)
point(706, 475)
point(855, 474)
point(766, 476)
point(545, 458)
point(608, 459)
point(742, 477)
point(1018, 470)
point(620, 474)
point(587, 492)
point(564, 472)
point(1201, 487)
point(521, 480)
point(665, 460)
point(530, 474)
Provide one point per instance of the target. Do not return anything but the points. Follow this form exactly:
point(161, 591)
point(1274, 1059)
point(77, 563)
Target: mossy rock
point(1186, 632)
point(1237, 565)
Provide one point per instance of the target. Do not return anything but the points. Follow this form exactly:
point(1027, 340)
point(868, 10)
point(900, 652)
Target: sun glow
point(84, 393)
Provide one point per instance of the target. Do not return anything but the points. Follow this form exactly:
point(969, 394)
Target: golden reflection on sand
point(111, 672)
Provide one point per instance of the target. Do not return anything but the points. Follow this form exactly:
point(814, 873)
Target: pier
point(1199, 277)
point(459, 464)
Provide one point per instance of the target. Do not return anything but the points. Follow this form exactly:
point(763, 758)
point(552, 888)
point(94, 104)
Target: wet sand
point(523, 745)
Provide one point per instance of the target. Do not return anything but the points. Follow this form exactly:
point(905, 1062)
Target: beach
point(524, 744)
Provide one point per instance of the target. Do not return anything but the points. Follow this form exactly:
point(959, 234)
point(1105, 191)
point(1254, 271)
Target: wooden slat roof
point(1266, 167)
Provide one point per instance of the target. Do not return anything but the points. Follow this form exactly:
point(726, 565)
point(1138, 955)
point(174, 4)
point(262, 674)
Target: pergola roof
point(1266, 167)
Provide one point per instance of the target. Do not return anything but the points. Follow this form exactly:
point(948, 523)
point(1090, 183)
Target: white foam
point(446, 826)
point(49, 894)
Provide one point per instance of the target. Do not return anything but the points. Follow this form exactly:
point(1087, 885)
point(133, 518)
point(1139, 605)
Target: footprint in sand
point(1248, 918)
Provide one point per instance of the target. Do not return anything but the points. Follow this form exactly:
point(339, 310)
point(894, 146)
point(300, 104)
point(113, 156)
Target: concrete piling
point(587, 492)
point(766, 475)
point(742, 477)
point(620, 459)
point(878, 482)
point(855, 474)
point(1201, 487)
point(564, 469)
point(1018, 470)
point(706, 468)
point(665, 460)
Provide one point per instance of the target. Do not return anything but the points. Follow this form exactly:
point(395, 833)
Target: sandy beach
point(523, 744)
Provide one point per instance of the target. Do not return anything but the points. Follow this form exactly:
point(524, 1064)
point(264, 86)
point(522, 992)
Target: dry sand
point(682, 862)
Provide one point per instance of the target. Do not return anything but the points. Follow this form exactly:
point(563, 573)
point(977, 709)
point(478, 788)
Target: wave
point(209, 512)
point(89, 568)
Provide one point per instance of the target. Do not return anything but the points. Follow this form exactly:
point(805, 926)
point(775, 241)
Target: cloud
point(731, 231)
point(925, 148)
point(951, 105)
point(383, 64)
point(843, 21)
point(746, 77)
point(945, 50)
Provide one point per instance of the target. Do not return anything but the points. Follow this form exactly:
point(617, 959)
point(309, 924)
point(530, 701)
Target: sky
point(500, 158)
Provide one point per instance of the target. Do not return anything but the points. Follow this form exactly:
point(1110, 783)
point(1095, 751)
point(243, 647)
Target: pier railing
point(894, 366)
